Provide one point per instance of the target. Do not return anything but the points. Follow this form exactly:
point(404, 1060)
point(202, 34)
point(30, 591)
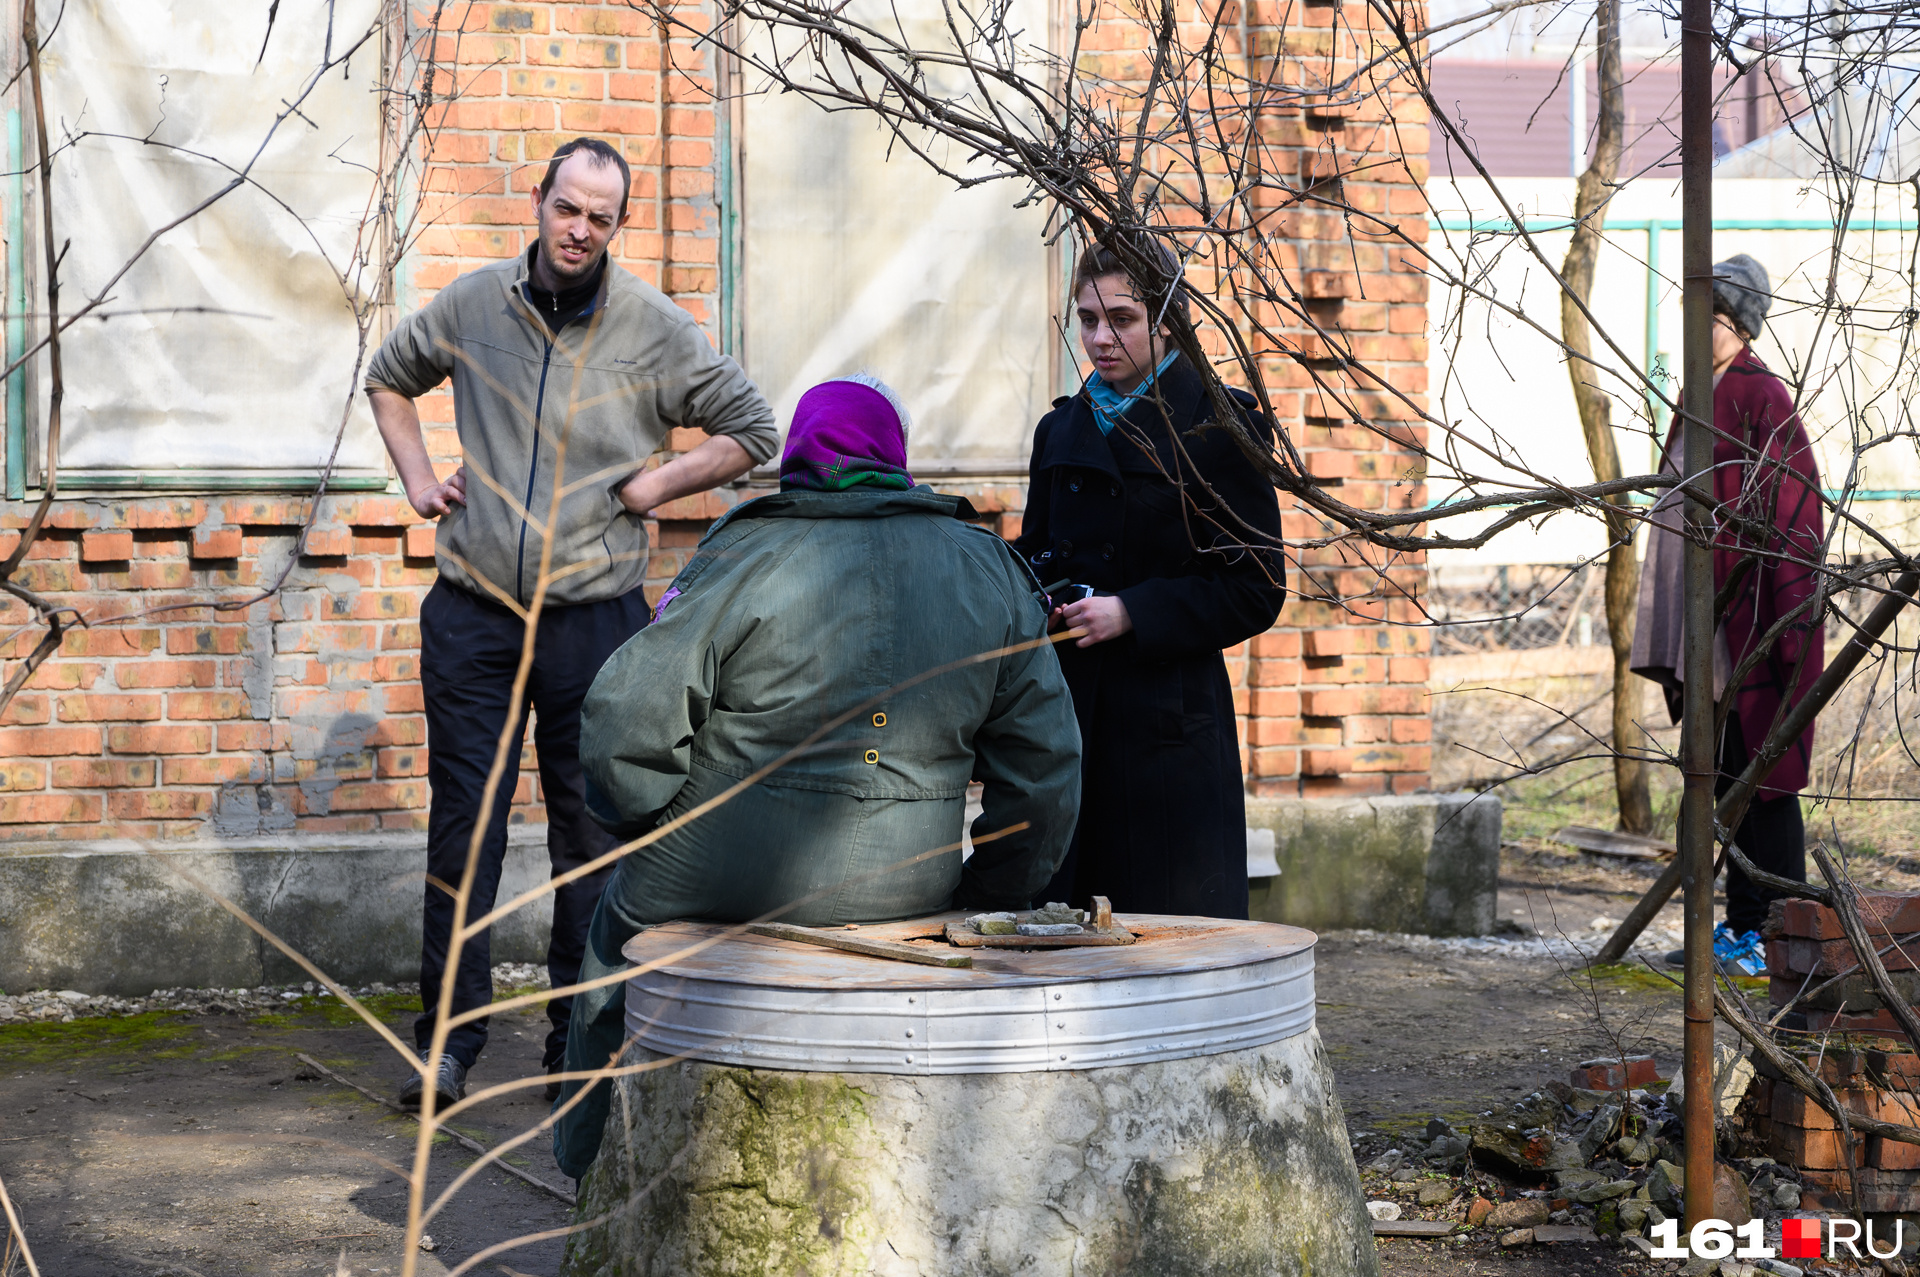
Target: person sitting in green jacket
point(851, 601)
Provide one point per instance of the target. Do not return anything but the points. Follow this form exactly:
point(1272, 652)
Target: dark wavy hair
point(1098, 260)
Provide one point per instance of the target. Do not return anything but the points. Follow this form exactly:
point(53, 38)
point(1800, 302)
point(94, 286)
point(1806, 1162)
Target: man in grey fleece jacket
point(567, 374)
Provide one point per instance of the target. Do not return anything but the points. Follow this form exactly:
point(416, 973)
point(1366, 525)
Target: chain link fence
point(1517, 607)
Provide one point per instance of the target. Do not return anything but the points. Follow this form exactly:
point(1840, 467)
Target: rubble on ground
point(62, 1006)
point(1600, 1158)
point(1569, 1163)
point(1521, 943)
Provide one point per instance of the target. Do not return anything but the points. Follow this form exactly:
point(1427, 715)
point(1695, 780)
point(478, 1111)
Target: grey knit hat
point(1741, 288)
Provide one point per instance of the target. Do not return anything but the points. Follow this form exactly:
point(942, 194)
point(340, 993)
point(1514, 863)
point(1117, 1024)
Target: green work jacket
point(866, 630)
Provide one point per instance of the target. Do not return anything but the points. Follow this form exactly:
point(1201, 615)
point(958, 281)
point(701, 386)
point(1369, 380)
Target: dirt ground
point(1421, 1028)
point(195, 1144)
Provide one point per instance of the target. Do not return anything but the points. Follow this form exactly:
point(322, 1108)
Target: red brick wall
point(165, 718)
point(1337, 692)
point(305, 711)
point(532, 76)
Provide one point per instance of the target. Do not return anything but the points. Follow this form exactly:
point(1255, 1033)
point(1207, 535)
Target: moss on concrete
point(1421, 863)
point(1231, 1164)
point(771, 1180)
point(167, 1034)
point(1634, 975)
point(1221, 1223)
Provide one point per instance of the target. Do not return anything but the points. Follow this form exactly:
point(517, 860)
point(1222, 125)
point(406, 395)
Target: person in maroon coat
point(1767, 541)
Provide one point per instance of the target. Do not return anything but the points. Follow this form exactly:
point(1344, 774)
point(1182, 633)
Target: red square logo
point(1800, 1239)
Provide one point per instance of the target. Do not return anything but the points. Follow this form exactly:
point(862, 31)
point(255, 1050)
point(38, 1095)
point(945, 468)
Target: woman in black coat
point(1124, 510)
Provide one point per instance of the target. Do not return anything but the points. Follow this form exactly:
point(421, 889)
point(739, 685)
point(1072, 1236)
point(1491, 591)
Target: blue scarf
point(1109, 405)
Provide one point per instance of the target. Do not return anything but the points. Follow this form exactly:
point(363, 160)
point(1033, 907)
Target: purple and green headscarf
point(846, 434)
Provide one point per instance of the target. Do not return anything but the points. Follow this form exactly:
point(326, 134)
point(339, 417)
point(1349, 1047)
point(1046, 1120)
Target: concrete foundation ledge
point(1423, 864)
point(120, 917)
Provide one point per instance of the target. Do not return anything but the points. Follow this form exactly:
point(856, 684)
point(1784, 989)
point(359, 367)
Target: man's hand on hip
point(440, 498)
point(719, 460)
point(399, 423)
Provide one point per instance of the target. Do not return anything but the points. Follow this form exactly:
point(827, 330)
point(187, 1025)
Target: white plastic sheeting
point(859, 255)
point(1505, 385)
point(1868, 129)
point(260, 386)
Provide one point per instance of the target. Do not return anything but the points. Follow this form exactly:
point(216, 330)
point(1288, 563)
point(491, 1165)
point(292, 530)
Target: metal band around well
point(1188, 987)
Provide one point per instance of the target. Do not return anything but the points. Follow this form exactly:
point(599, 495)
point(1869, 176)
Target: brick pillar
point(1337, 690)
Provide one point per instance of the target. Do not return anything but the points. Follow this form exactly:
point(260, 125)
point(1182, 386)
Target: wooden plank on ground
point(1551, 1233)
point(1414, 1227)
point(872, 947)
point(1606, 842)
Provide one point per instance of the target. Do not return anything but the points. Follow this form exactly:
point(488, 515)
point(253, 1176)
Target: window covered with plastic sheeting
point(857, 254)
point(225, 355)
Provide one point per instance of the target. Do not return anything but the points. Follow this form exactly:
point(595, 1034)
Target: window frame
point(24, 465)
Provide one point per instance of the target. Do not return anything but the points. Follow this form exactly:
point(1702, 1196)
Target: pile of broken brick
point(1599, 1157)
point(1588, 1160)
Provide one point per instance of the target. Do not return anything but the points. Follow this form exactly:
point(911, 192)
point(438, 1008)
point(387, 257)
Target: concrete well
point(928, 1122)
point(1427, 864)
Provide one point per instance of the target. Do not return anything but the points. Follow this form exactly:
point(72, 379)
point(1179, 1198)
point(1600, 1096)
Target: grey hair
point(871, 382)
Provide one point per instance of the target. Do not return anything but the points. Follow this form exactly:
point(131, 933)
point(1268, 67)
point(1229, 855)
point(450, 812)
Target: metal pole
point(1697, 743)
point(727, 141)
point(17, 307)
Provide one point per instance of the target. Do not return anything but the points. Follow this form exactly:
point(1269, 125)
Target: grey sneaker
point(449, 1087)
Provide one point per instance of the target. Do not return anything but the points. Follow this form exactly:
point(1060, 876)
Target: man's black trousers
point(469, 652)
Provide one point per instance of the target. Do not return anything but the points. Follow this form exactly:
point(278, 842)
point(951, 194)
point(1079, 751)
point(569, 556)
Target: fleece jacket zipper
point(533, 464)
point(533, 470)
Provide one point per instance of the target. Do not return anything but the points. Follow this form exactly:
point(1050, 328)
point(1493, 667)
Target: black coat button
point(1106, 551)
point(1066, 549)
point(1113, 489)
point(1073, 484)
